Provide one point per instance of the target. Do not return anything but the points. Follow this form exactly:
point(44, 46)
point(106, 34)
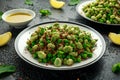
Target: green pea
point(79, 59)
point(49, 55)
point(89, 54)
point(59, 41)
point(35, 55)
point(66, 41)
point(84, 56)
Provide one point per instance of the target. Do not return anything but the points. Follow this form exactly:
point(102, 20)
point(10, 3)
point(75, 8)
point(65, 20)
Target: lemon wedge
point(4, 38)
point(57, 4)
point(115, 38)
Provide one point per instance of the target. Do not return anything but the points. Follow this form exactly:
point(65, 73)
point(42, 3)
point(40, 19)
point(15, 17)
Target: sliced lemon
point(4, 38)
point(57, 4)
point(115, 38)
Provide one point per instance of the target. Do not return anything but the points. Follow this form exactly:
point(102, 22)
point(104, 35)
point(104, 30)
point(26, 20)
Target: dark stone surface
point(101, 70)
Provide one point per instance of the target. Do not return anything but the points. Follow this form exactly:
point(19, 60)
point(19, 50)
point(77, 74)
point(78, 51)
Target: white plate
point(20, 46)
point(79, 9)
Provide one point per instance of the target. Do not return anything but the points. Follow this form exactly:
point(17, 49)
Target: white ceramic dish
point(18, 24)
point(79, 9)
point(20, 46)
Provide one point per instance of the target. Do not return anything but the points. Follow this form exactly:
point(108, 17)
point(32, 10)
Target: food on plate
point(115, 38)
point(103, 11)
point(5, 38)
point(57, 4)
point(61, 44)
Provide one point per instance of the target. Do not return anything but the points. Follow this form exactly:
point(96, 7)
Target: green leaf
point(44, 12)
point(116, 68)
point(73, 2)
point(28, 2)
point(7, 68)
point(1, 13)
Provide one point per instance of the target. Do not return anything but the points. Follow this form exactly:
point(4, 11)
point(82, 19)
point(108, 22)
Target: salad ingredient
point(103, 11)
point(61, 45)
point(1, 13)
point(28, 2)
point(7, 68)
point(116, 68)
point(44, 12)
point(57, 4)
point(115, 38)
point(5, 38)
point(73, 2)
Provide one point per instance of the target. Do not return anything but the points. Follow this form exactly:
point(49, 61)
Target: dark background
point(101, 70)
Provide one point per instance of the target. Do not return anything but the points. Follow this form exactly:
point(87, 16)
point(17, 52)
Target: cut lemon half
point(57, 4)
point(115, 38)
point(4, 38)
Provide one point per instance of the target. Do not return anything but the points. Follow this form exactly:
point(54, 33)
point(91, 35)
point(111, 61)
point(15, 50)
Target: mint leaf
point(44, 12)
point(7, 68)
point(28, 2)
point(73, 2)
point(1, 13)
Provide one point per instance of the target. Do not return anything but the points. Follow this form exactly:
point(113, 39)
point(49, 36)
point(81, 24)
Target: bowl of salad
point(104, 12)
point(60, 45)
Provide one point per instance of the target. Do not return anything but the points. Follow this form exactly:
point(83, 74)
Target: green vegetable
point(106, 12)
point(7, 68)
point(57, 62)
point(1, 15)
point(44, 12)
point(73, 2)
point(56, 45)
point(28, 2)
point(116, 68)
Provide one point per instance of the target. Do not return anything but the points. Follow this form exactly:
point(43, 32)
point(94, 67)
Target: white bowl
point(18, 24)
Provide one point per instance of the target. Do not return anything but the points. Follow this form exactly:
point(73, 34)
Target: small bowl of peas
point(103, 12)
point(60, 45)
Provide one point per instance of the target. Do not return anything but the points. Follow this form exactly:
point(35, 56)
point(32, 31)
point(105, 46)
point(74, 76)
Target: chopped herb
point(73, 2)
point(7, 68)
point(28, 2)
point(45, 12)
point(1, 15)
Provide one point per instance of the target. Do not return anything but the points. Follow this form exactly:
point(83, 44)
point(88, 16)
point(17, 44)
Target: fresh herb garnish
point(28, 2)
point(73, 2)
point(7, 68)
point(44, 12)
point(116, 68)
point(1, 13)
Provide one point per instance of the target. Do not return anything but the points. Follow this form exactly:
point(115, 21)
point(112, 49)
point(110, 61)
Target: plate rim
point(52, 68)
point(83, 2)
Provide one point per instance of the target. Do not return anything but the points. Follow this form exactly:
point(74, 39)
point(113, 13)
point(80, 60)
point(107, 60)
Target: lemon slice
point(115, 38)
point(57, 4)
point(4, 38)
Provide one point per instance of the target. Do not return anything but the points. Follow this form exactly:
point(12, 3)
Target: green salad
point(103, 11)
point(61, 45)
